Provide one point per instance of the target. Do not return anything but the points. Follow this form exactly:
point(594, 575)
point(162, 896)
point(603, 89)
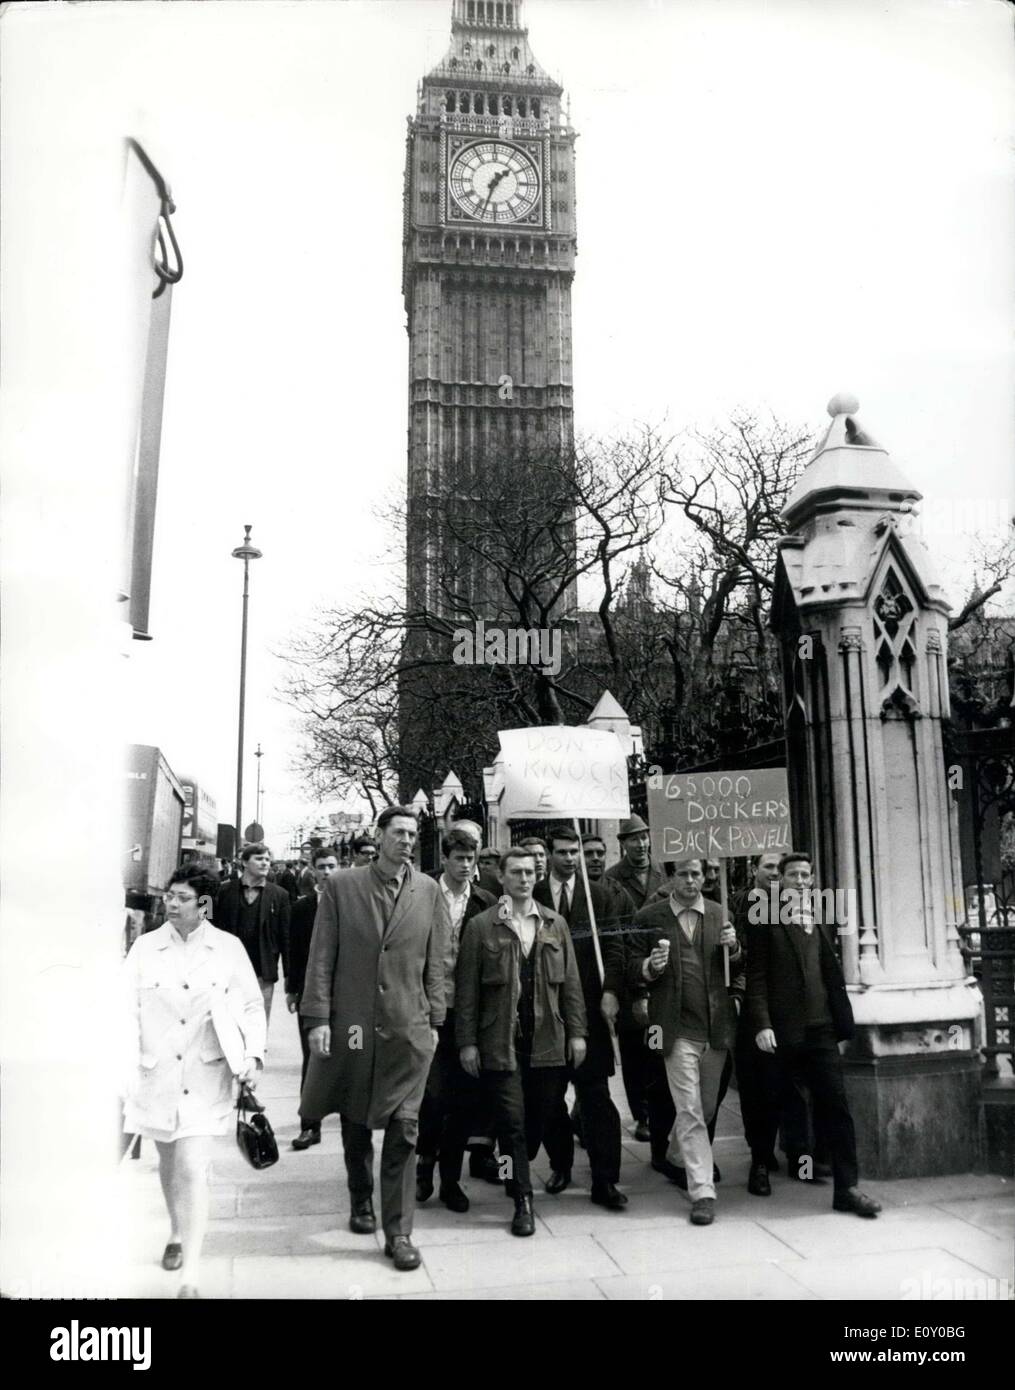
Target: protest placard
point(559, 770)
point(719, 815)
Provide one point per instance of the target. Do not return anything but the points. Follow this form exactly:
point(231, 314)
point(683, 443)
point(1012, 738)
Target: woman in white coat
point(196, 1021)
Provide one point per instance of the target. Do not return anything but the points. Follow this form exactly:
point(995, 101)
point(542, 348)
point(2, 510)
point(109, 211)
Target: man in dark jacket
point(520, 1019)
point(800, 1011)
point(564, 890)
point(640, 877)
point(677, 950)
point(451, 1099)
point(258, 913)
point(301, 930)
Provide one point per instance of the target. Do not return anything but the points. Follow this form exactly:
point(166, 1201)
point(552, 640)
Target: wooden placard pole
point(723, 897)
point(592, 911)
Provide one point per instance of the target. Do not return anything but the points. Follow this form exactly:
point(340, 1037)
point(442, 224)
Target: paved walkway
point(284, 1233)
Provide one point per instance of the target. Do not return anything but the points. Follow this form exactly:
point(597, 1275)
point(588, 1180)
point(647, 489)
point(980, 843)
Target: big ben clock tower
point(489, 248)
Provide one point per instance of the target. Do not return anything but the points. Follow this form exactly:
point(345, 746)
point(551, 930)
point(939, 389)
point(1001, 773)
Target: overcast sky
point(775, 202)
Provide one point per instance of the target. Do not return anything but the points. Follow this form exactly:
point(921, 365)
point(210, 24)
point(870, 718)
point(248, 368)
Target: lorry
point(154, 826)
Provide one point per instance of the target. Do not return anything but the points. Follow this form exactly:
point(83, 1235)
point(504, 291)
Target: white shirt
point(525, 928)
point(558, 887)
point(456, 903)
point(688, 915)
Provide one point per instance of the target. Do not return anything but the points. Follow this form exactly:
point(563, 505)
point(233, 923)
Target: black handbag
point(255, 1137)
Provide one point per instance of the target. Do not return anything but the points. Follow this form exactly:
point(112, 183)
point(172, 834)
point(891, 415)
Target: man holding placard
point(677, 949)
point(640, 877)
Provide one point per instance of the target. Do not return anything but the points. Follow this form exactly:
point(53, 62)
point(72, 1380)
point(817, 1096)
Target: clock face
point(494, 182)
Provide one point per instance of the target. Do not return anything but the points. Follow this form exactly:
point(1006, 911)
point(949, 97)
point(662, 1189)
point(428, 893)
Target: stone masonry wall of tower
point(488, 261)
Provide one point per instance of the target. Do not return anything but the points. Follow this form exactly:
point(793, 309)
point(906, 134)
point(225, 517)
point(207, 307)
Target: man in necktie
point(677, 951)
point(564, 891)
point(451, 1103)
point(799, 1010)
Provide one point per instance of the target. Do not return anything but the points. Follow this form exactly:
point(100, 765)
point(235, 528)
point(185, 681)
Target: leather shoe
point(557, 1182)
point(641, 1133)
point(424, 1181)
point(403, 1253)
point(523, 1222)
point(703, 1211)
point(362, 1219)
point(485, 1166)
point(453, 1197)
point(608, 1196)
point(671, 1171)
point(757, 1181)
point(855, 1201)
point(306, 1137)
point(172, 1256)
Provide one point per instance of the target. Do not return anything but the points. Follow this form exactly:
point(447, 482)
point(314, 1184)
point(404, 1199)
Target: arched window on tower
point(521, 106)
point(510, 14)
point(506, 106)
point(490, 50)
point(506, 67)
point(463, 103)
point(478, 104)
point(479, 65)
point(531, 69)
point(515, 54)
point(454, 63)
point(535, 107)
point(500, 14)
point(449, 103)
point(472, 9)
point(467, 47)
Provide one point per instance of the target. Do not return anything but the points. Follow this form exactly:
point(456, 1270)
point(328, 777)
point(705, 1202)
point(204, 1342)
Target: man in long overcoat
point(373, 998)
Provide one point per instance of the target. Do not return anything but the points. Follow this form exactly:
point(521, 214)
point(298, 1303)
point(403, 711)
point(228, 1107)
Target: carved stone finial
point(843, 404)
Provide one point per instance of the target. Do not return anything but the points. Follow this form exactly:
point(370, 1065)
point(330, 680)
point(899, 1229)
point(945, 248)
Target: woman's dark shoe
point(641, 1133)
point(306, 1137)
point(523, 1222)
point(172, 1256)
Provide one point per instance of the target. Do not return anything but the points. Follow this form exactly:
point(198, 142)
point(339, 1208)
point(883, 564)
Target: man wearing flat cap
point(640, 877)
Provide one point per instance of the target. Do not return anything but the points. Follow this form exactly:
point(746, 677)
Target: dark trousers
point(817, 1066)
point(529, 1109)
point(447, 1113)
point(757, 1084)
point(635, 1067)
point(398, 1179)
point(600, 1127)
point(305, 1047)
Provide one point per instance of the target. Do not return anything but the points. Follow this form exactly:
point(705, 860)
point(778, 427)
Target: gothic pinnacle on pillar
point(863, 624)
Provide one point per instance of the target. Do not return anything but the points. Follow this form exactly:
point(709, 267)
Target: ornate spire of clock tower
point(488, 260)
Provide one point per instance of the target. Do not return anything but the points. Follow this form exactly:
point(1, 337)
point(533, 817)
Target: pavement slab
point(535, 1260)
point(891, 1275)
point(349, 1276)
point(842, 1234)
point(764, 1281)
point(683, 1247)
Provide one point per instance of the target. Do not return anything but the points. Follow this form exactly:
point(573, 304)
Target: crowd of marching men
point(453, 1011)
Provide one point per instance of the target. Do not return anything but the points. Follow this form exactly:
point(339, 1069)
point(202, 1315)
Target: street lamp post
point(245, 552)
point(258, 754)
